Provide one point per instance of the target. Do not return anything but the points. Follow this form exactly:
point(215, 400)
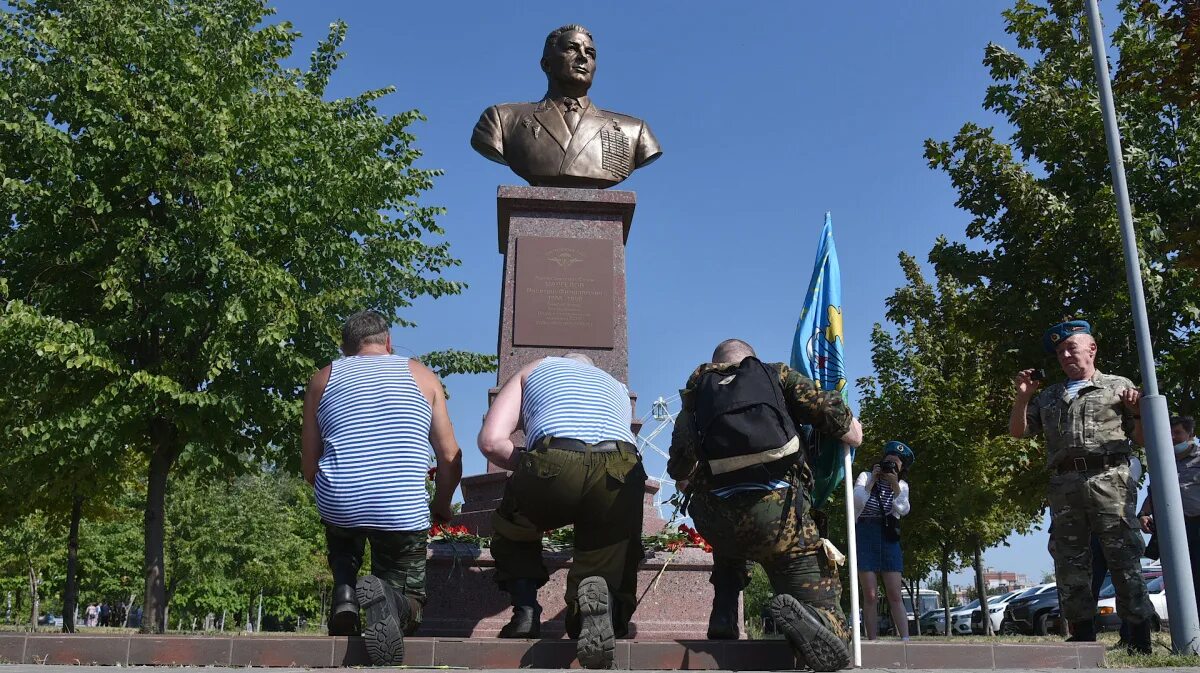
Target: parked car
point(927, 599)
point(996, 606)
point(933, 622)
point(1029, 613)
point(1106, 607)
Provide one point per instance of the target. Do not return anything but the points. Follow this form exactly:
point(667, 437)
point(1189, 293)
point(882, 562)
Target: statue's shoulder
point(516, 108)
point(622, 118)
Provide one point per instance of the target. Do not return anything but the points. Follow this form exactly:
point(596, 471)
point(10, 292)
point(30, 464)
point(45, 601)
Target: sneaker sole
point(596, 640)
point(821, 648)
point(384, 635)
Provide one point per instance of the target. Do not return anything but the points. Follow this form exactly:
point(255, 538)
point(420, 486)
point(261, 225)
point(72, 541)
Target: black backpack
point(746, 435)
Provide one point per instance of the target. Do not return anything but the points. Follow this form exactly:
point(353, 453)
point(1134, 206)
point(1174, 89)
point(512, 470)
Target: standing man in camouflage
point(736, 451)
point(1088, 422)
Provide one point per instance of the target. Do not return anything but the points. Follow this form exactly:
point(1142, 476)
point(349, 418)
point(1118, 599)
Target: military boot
point(597, 641)
point(526, 619)
point(723, 621)
point(388, 612)
point(1139, 638)
point(343, 618)
point(820, 647)
point(1083, 631)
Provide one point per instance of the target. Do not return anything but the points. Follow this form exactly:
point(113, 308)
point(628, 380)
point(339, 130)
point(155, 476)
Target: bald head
point(732, 350)
point(581, 358)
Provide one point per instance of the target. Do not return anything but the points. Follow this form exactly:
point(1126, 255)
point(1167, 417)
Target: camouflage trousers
point(397, 557)
point(1099, 503)
point(761, 526)
point(601, 495)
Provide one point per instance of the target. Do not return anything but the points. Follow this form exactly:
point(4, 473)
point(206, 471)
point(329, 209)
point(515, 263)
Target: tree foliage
point(188, 222)
point(934, 388)
point(1044, 225)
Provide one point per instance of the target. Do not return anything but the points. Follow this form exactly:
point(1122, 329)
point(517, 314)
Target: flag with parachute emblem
point(817, 352)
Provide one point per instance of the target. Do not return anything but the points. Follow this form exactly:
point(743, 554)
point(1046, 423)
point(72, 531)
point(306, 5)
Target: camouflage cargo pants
point(760, 526)
point(397, 557)
point(1100, 503)
point(601, 494)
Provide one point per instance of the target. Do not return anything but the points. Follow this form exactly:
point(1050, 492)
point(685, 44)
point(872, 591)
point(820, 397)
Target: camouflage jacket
point(1094, 423)
point(807, 404)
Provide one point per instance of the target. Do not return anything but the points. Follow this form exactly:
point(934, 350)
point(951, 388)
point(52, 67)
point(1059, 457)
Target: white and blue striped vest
point(374, 425)
point(565, 398)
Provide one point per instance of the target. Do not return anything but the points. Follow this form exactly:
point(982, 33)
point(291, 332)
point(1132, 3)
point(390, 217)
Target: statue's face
point(571, 60)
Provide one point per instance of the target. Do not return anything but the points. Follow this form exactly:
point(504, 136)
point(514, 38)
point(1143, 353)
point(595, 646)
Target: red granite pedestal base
point(673, 590)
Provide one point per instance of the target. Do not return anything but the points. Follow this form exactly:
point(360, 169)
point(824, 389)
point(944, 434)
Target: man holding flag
point(736, 445)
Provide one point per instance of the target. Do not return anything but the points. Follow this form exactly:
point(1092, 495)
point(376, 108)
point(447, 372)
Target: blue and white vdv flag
point(817, 352)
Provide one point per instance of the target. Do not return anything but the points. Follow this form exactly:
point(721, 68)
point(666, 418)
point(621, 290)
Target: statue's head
point(569, 58)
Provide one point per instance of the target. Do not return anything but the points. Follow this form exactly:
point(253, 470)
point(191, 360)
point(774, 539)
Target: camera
point(887, 467)
point(1037, 375)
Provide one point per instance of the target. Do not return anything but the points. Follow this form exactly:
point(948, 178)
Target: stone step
point(491, 653)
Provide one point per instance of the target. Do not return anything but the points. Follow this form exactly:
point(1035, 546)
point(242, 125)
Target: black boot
point(1083, 631)
point(526, 619)
point(343, 619)
point(1139, 638)
point(723, 621)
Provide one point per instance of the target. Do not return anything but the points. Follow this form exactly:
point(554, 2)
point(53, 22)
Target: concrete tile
point(483, 653)
point(77, 649)
point(756, 655)
point(949, 655)
point(1091, 655)
point(179, 650)
point(264, 651)
point(12, 648)
point(883, 654)
point(350, 651)
point(1015, 655)
point(679, 655)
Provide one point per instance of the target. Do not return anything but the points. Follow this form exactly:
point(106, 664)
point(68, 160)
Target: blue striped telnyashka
point(880, 501)
point(374, 425)
point(565, 398)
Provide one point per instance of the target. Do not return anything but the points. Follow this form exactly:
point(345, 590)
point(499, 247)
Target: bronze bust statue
point(564, 140)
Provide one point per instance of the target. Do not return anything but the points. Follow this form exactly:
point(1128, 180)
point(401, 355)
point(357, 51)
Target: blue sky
point(769, 114)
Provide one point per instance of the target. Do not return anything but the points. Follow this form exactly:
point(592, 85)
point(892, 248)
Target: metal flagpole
point(852, 552)
point(1168, 504)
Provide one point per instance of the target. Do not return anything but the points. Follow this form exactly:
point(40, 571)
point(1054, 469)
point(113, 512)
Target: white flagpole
point(852, 552)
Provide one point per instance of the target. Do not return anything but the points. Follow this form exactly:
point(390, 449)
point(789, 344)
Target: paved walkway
point(30, 668)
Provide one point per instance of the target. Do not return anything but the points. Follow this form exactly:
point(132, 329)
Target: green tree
point(933, 388)
point(188, 224)
point(1045, 237)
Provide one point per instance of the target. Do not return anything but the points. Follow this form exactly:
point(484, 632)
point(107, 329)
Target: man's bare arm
point(311, 446)
point(503, 419)
point(441, 437)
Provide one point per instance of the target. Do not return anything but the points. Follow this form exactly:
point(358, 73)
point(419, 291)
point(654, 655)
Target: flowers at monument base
point(673, 541)
point(459, 534)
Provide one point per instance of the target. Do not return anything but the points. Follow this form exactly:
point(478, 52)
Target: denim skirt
point(876, 554)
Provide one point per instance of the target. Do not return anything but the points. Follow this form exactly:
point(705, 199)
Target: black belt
point(1093, 463)
point(568, 444)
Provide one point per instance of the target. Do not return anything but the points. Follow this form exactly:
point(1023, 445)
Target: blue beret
point(1063, 331)
point(901, 450)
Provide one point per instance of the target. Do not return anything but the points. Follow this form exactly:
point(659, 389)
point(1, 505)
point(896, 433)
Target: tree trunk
point(258, 622)
point(71, 593)
point(163, 440)
point(979, 588)
point(946, 591)
point(34, 602)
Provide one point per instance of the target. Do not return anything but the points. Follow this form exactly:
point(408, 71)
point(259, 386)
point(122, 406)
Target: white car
point(996, 606)
point(1106, 607)
point(960, 618)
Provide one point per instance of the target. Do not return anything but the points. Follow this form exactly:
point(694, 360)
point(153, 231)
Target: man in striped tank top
point(370, 422)
point(580, 467)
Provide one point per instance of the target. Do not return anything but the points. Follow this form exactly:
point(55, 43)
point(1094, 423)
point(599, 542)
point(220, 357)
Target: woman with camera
point(880, 499)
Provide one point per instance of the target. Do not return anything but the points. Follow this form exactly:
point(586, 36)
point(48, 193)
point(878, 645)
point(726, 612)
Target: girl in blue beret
point(880, 499)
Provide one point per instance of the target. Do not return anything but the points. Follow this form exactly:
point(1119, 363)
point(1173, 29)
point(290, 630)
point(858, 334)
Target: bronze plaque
point(564, 292)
